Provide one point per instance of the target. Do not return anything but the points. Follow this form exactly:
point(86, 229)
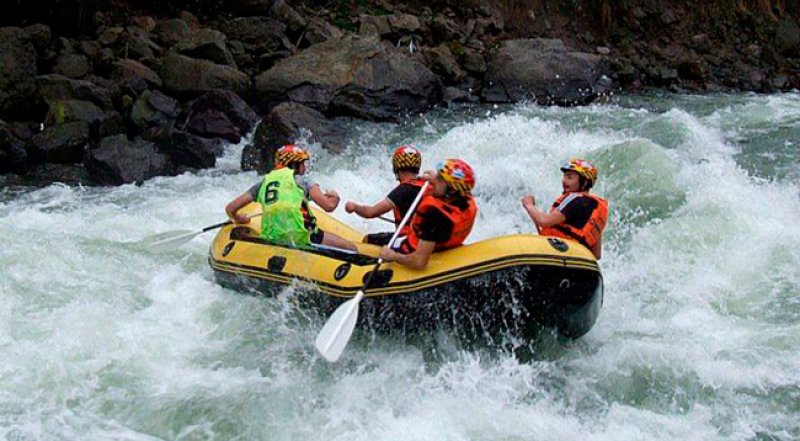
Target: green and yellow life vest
point(283, 204)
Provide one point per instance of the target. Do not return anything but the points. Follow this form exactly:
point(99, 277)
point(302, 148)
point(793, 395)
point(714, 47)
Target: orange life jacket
point(591, 232)
point(462, 220)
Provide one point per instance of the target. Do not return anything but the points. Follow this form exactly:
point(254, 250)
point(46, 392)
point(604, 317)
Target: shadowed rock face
point(542, 70)
point(284, 125)
point(189, 77)
point(119, 161)
point(351, 77)
point(17, 72)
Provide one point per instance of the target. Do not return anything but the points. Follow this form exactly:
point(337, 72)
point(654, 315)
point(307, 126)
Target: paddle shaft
point(402, 224)
point(334, 336)
point(214, 227)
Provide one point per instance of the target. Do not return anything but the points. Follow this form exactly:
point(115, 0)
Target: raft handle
point(381, 278)
point(227, 249)
point(275, 264)
point(341, 271)
point(558, 244)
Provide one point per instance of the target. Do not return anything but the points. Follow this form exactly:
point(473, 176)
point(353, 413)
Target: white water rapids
point(698, 338)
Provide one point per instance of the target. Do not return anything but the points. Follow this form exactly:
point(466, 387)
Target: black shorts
point(317, 236)
point(378, 238)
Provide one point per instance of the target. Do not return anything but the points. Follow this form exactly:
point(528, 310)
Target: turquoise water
point(699, 337)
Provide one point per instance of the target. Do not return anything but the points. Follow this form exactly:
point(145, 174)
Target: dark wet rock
point(134, 77)
point(543, 70)
point(233, 107)
point(258, 34)
point(17, 72)
point(445, 29)
point(787, 37)
point(442, 62)
point(189, 150)
point(251, 7)
point(701, 43)
point(74, 66)
point(101, 122)
point(118, 161)
point(61, 112)
point(136, 43)
point(61, 144)
point(153, 109)
point(402, 24)
point(189, 77)
point(351, 77)
point(60, 88)
point(111, 36)
point(168, 32)
point(319, 30)
point(455, 95)
point(283, 12)
point(284, 125)
point(212, 123)
point(206, 44)
point(374, 25)
point(13, 155)
point(473, 62)
point(69, 174)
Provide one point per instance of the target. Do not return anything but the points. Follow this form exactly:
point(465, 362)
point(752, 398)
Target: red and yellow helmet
point(458, 175)
point(406, 157)
point(583, 168)
point(290, 154)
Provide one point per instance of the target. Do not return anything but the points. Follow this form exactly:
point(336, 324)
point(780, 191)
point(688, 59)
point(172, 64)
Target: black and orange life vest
point(416, 182)
point(462, 219)
point(591, 232)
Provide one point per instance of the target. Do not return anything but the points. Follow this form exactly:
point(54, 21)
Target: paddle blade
point(170, 240)
point(336, 333)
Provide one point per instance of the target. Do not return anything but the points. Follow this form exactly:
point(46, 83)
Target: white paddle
point(171, 240)
point(336, 333)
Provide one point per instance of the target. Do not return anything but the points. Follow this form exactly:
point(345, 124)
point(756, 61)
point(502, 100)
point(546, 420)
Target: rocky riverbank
point(125, 91)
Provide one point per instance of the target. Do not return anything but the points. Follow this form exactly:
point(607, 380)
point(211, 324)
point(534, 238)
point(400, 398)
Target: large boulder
point(286, 124)
point(17, 73)
point(101, 122)
point(134, 77)
point(61, 144)
point(233, 107)
point(258, 34)
point(75, 66)
point(211, 123)
point(189, 77)
point(186, 150)
point(12, 151)
point(206, 44)
point(351, 77)
point(170, 31)
point(60, 88)
point(153, 109)
point(787, 37)
point(119, 161)
point(319, 30)
point(542, 70)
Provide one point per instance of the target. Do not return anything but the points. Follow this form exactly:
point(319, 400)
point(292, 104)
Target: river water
point(699, 336)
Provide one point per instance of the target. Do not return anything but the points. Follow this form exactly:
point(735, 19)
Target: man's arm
point(369, 211)
point(539, 217)
point(233, 207)
point(417, 260)
point(328, 201)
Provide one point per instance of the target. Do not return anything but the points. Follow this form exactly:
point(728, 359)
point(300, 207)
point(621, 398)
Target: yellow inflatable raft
point(519, 283)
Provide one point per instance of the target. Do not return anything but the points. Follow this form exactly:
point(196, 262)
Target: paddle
point(336, 333)
point(171, 240)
